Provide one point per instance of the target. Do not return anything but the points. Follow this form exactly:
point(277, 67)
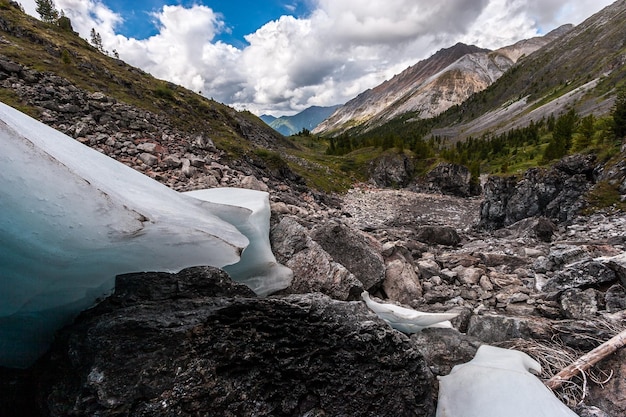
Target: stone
point(313, 268)
point(451, 179)
point(492, 328)
point(401, 282)
point(354, 249)
point(469, 276)
point(147, 147)
point(445, 348)
point(438, 235)
point(187, 170)
point(253, 183)
point(555, 193)
point(428, 268)
point(210, 355)
point(578, 304)
point(391, 169)
point(615, 298)
point(618, 264)
point(580, 274)
point(172, 161)
point(148, 159)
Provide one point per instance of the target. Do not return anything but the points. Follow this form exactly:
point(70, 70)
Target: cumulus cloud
point(340, 49)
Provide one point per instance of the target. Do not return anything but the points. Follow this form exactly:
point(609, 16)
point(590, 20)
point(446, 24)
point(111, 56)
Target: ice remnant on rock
point(405, 319)
point(249, 212)
point(496, 383)
point(72, 219)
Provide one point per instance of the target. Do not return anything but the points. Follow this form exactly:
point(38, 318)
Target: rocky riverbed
point(196, 344)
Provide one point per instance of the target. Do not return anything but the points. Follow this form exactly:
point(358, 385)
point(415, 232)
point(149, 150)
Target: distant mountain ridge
point(433, 85)
point(306, 119)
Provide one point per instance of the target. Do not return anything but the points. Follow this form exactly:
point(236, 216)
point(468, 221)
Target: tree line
point(543, 141)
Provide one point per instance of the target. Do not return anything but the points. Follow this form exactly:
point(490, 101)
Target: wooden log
point(587, 360)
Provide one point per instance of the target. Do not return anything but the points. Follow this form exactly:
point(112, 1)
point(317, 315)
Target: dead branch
point(588, 360)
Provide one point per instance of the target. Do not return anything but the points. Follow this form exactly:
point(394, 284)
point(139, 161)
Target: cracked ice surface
point(71, 219)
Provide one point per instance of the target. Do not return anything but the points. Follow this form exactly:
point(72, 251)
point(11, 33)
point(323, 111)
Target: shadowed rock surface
point(176, 349)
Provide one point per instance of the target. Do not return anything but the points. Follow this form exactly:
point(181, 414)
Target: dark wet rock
point(193, 355)
point(438, 235)
point(555, 193)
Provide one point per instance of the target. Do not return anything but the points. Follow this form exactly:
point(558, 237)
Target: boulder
point(438, 235)
point(313, 268)
point(492, 328)
point(402, 282)
point(170, 353)
point(580, 274)
point(579, 304)
point(445, 348)
point(615, 298)
point(556, 193)
point(354, 249)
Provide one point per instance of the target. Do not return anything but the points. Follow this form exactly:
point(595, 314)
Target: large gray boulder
point(355, 250)
point(199, 345)
point(314, 269)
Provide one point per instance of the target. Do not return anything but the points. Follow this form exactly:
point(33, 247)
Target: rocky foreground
point(196, 344)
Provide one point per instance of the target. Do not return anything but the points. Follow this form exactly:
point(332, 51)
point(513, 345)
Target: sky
point(280, 57)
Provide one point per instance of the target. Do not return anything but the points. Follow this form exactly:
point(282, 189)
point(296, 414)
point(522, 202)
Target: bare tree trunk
point(588, 360)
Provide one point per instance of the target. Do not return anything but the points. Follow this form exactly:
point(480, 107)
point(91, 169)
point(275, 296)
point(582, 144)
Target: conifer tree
point(96, 40)
point(619, 115)
point(47, 11)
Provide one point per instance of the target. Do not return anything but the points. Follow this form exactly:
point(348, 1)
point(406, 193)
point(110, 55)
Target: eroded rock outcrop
point(554, 193)
point(197, 344)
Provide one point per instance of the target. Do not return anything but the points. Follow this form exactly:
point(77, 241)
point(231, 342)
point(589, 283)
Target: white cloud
point(341, 49)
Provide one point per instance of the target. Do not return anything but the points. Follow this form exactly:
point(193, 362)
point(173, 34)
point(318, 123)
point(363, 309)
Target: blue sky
point(282, 56)
point(242, 17)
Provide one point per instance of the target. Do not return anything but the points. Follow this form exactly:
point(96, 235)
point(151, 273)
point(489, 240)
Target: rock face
point(195, 344)
point(392, 170)
point(554, 193)
point(450, 179)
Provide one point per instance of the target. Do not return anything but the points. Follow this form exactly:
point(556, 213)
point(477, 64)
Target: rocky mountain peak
point(433, 85)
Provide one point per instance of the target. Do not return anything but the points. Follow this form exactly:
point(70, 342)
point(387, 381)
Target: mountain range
point(433, 85)
point(307, 119)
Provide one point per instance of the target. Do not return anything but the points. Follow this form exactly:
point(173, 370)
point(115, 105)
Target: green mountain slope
point(50, 49)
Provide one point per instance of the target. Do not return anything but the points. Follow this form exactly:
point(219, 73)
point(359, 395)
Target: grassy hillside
point(51, 49)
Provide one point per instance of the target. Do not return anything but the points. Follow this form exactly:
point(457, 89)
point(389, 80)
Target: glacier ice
point(496, 383)
point(72, 219)
point(249, 211)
